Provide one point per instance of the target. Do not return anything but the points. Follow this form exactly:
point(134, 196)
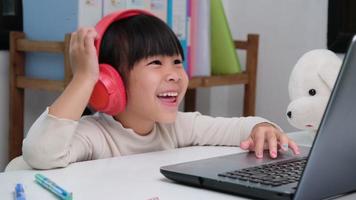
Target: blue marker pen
point(19, 192)
point(53, 187)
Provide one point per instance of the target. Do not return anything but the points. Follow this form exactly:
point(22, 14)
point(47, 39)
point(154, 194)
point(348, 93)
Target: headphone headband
point(106, 21)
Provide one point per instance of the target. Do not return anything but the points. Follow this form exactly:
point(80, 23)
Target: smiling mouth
point(168, 98)
point(309, 126)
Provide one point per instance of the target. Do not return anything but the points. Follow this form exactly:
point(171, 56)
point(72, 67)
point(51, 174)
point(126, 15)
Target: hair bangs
point(152, 37)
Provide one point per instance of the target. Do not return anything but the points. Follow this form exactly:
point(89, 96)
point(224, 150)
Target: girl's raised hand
point(82, 54)
point(267, 136)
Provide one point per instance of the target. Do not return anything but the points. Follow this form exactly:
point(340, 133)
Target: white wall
point(4, 107)
point(287, 29)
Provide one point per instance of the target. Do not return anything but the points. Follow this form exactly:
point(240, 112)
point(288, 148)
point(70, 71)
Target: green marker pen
point(53, 187)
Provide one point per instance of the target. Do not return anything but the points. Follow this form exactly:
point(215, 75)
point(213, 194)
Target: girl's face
point(156, 86)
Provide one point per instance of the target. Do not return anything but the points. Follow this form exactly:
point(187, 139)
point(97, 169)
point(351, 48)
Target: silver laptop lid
point(331, 167)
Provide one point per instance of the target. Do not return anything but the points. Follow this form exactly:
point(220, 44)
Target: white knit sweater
point(52, 142)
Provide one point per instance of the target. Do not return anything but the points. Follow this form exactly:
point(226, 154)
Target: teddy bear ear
point(330, 69)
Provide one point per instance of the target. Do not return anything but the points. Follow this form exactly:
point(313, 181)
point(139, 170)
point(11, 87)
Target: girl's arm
point(55, 139)
point(84, 61)
point(53, 142)
point(252, 133)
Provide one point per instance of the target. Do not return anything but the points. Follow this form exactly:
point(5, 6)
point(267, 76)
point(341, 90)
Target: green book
point(224, 58)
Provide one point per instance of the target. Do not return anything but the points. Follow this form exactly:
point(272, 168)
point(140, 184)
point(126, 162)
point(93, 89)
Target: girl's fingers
point(82, 40)
point(272, 143)
point(89, 40)
point(246, 144)
point(73, 49)
point(263, 137)
point(292, 145)
point(283, 142)
point(82, 33)
point(73, 40)
point(259, 141)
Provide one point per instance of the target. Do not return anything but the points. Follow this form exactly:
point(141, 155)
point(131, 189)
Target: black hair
point(129, 40)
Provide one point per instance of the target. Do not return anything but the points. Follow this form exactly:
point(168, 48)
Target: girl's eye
point(155, 62)
point(177, 62)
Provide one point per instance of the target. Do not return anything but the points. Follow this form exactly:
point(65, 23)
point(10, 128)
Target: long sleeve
point(52, 142)
point(207, 130)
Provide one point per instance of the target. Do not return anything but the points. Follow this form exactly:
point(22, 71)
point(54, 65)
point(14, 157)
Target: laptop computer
point(325, 170)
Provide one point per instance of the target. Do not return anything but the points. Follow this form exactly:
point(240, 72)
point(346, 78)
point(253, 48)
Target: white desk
point(127, 177)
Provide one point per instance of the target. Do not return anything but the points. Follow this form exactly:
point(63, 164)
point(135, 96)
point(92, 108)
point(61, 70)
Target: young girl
point(148, 55)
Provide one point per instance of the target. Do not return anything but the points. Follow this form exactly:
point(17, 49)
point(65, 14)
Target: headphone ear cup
point(109, 94)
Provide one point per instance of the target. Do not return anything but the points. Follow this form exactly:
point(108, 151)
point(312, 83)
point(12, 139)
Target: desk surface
point(127, 177)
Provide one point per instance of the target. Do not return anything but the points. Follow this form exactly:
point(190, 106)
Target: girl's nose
point(173, 77)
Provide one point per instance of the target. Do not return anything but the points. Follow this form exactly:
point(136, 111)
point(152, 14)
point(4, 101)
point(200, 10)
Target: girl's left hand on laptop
point(266, 136)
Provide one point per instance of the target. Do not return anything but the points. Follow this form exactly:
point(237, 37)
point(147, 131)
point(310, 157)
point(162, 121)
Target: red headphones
point(109, 94)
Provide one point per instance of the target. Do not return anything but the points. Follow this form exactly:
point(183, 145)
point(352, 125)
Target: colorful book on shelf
point(177, 19)
point(200, 39)
point(224, 58)
point(192, 14)
point(189, 39)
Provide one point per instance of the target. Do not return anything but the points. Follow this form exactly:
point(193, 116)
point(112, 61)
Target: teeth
point(168, 94)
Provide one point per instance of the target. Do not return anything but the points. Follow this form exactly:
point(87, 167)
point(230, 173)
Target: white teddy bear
point(310, 85)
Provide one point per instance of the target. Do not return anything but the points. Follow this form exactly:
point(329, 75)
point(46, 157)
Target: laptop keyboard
point(273, 174)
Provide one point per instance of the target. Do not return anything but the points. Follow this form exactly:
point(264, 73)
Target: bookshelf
point(247, 78)
point(19, 82)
